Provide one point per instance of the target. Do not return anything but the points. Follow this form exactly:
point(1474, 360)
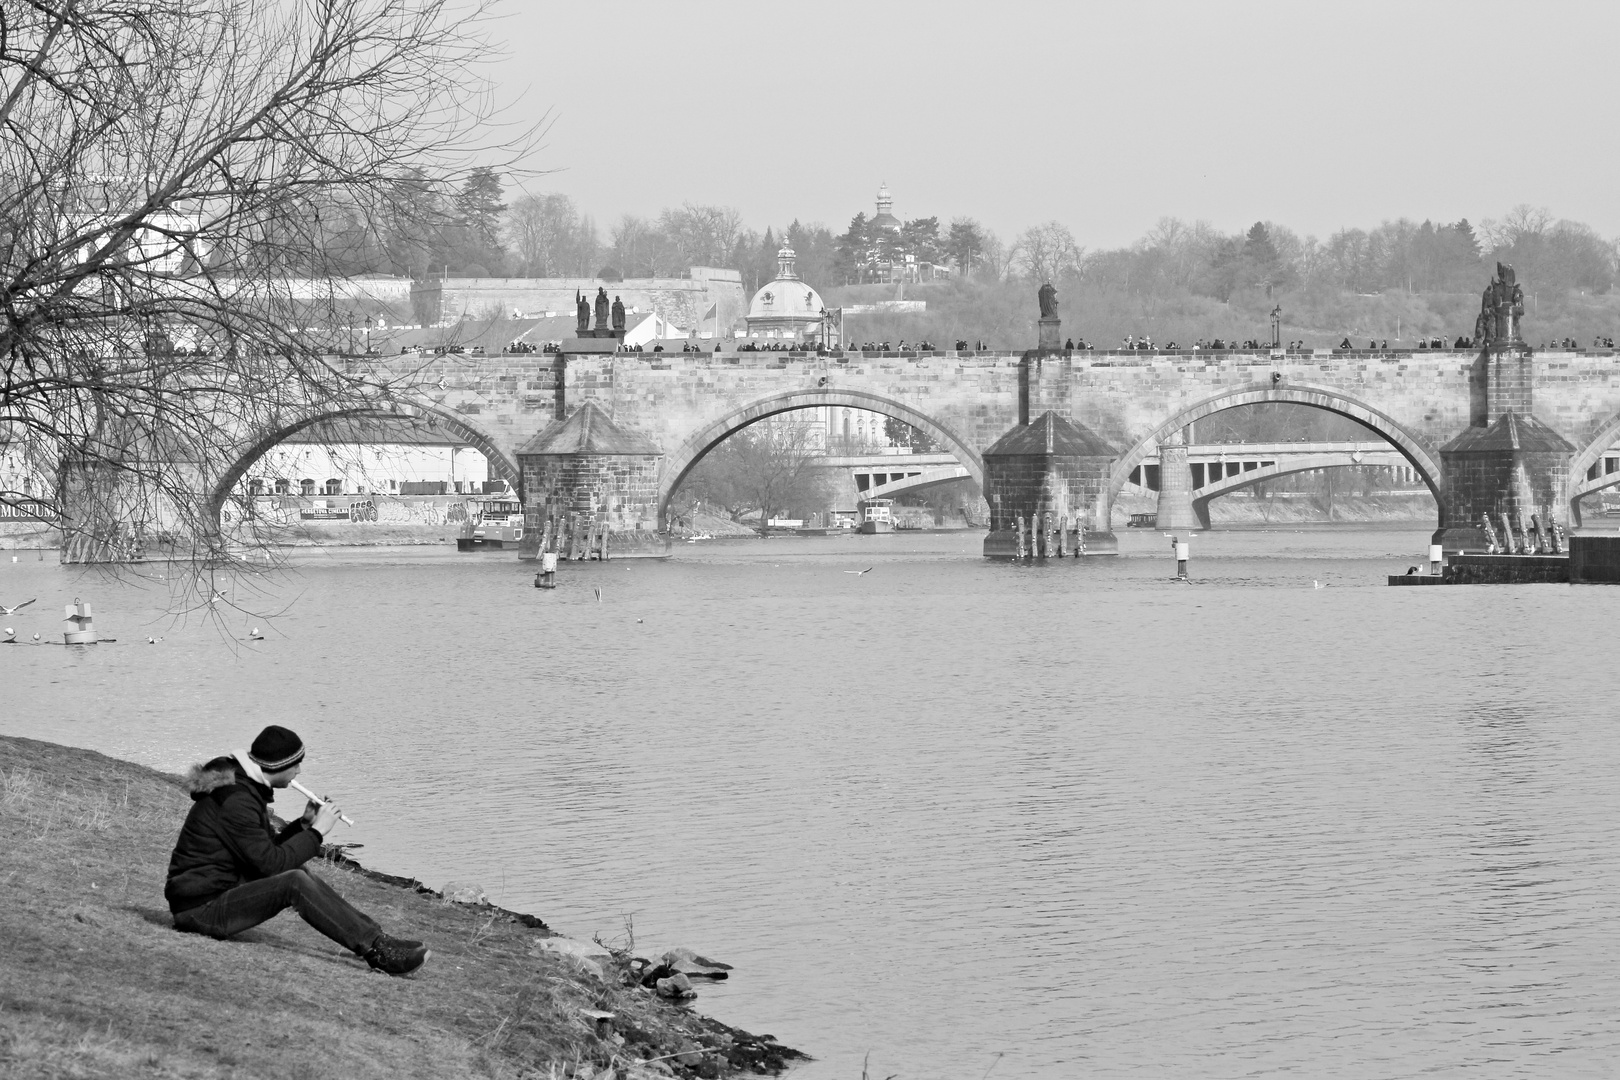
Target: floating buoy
point(84, 630)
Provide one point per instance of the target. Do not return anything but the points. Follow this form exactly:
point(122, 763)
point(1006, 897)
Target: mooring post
point(1435, 554)
point(1018, 542)
point(1183, 551)
point(1063, 535)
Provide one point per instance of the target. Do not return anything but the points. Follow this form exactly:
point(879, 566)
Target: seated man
point(230, 871)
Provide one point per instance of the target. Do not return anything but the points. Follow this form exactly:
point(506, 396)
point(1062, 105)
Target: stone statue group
point(582, 309)
point(1500, 309)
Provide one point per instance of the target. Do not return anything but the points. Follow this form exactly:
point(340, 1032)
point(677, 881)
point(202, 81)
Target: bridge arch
point(1593, 452)
point(682, 460)
point(1413, 447)
point(501, 463)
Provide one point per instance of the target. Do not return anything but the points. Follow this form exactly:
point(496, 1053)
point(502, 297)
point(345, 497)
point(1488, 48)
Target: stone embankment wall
point(357, 520)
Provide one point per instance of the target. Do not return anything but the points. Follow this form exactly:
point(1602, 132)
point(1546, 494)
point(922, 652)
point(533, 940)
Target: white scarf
point(250, 767)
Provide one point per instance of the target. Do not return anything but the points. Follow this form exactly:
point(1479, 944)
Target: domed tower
point(787, 307)
point(885, 218)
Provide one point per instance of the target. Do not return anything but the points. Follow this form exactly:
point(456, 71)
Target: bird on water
point(858, 573)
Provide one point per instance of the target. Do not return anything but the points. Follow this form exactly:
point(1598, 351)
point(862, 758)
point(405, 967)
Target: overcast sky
point(1104, 116)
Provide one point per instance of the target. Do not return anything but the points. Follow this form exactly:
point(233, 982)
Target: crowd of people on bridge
point(1131, 343)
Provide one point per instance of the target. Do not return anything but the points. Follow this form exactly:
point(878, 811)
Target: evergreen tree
point(1466, 232)
point(762, 267)
point(477, 243)
point(853, 247)
point(919, 238)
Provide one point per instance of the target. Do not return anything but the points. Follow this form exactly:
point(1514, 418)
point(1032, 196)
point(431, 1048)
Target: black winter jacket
point(227, 838)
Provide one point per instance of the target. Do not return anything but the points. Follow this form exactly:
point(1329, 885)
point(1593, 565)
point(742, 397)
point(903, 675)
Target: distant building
point(887, 260)
point(707, 300)
point(787, 307)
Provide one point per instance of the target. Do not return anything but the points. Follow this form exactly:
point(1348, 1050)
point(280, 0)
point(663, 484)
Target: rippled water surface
point(1078, 816)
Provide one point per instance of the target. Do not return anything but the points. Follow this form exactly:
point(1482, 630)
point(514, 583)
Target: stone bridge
point(686, 403)
point(657, 414)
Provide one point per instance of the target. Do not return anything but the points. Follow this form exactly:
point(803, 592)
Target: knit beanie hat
point(276, 748)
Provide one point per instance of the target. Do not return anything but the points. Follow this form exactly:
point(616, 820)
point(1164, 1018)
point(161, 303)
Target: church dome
point(884, 218)
point(787, 297)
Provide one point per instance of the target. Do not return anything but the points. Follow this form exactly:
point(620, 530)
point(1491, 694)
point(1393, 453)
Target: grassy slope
point(94, 980)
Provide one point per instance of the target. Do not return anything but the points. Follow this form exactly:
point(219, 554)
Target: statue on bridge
point(601, 308)
point(1501, 308)
point(618, 314)
point(582, 309)
point(1048, 298)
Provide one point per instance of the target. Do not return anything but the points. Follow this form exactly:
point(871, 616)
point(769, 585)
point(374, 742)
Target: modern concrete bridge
point(931, 477)
point(1218, 469)
point(870, 471)
point(672, 408)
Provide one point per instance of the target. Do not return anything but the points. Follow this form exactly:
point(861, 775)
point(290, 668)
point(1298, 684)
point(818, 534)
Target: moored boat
point(877, 516)
point(498, 525)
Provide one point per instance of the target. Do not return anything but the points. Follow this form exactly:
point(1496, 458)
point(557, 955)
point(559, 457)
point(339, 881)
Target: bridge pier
point(1506, 461)
point(606, 477)
point(1175, 487)
point(1049, 470)
point(114, 513)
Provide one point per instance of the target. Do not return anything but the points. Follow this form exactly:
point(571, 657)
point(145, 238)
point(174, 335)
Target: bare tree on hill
point(171, 177)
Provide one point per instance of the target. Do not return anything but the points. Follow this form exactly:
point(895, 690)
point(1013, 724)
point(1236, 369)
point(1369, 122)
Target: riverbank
point(1291, 508)
point(96, 982)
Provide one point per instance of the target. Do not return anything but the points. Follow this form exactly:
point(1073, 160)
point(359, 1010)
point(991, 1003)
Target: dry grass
point(95, 982)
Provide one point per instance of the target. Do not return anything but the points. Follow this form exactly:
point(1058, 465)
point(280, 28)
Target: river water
point(1035, 821)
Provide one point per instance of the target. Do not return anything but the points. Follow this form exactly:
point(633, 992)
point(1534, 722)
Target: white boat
point(877, 516)
point(499, 525)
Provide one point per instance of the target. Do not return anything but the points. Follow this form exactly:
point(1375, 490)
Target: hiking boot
point(396, 957)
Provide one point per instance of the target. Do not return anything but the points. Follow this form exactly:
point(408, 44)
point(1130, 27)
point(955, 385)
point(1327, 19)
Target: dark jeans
point(254, 902)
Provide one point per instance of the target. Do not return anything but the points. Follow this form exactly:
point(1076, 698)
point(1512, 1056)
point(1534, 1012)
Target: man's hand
point(311, 808)
point(325, 817)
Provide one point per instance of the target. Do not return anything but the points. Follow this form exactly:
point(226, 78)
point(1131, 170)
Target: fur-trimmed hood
point(221, 772)
point(210, 776)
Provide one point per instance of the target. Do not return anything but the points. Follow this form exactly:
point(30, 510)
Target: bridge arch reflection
point(1424, 458)
point(683, 459)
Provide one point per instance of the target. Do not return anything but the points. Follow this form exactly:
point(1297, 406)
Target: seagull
point(36, 639)
point(1317, 584)
point(858, 573)
point(13, 610)
point(255, 635)
point(640, 621)
point(11, 636)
